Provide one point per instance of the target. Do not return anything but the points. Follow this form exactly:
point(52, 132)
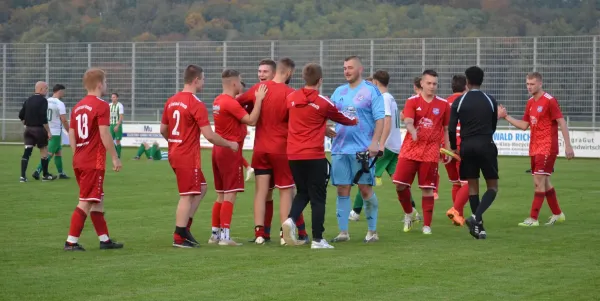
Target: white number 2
point(176, 116)
point(82, 126)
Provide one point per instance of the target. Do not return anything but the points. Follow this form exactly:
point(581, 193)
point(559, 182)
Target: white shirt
point(55, 109)
point(394, 140)
point(115, 111)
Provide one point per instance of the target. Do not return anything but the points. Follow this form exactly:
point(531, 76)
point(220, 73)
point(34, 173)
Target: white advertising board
point(509, 142)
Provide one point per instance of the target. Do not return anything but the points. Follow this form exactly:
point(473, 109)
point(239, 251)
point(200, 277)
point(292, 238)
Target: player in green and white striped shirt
point(57, 121)
point(116, 121)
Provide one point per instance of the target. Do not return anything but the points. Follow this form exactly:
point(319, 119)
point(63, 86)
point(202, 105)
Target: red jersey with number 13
point(541, 115)
point(430, 118)
point(86, 118)
point(184, 114)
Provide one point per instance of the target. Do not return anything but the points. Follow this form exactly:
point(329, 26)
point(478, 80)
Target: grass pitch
point(559, 262)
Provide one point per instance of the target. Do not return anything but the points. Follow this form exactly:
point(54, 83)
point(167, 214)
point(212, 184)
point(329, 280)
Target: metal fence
point(146, 74)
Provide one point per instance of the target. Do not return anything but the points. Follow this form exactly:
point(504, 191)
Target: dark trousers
point(311, 178)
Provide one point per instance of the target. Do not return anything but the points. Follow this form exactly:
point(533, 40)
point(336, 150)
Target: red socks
point(427, 210)
point(268, 218)
point(301, 226)
point(462, 197)
point(538, 201)
point(77, 223)
point(553, 201)
point(216, 215)
point(226, 214)
point(455, 189)
point(404, 198)
point(100, 225)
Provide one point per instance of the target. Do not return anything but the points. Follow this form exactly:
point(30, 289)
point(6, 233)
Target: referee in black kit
point(34, 116)
point(478, 116)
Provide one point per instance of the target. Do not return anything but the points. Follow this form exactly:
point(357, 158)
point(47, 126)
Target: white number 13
point(176, 116)
point(82, 126)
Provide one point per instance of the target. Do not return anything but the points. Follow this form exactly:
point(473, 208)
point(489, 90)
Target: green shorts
point(55, 144)
point(386, 163)
point(154, 153)
point(118, 135)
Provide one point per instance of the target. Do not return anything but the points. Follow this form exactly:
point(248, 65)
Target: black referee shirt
point(34, 111)
point(478, 116)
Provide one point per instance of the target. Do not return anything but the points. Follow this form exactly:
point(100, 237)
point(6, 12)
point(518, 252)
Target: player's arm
point(556, 114)
point(335, 115)
point(378, 111)
point(452, 124)
point(106, 137)
point(247, 98)
point(216, 139)
point(44, 115)
point(409, 119)
point(252, 118)
point(387, 121)
point(121, 115)
point(520, 124)
point(62, 111)
point(445, 123)
point(164, 124)
point(22, 113)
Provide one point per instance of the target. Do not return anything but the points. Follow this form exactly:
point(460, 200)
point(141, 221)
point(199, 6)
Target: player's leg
point(87, 195)
point(284, 181)
point(365, 187)
point(437, 185)
point(539, 182)
point(228, 182)
point(263, 174)
point(318, 195)
point(301, 171)
point(225, 218)
point(216, 218)
point(141, 151)
point(118, 138)
point(58, 160)
point(268, 218)
point(557, 213)
point(196, 200)
point(428, 174)
point(97, 217)
point(342, 176)
point(455, 213)
point(356, 207)
point(403, 177)
point(155, 152)
point(382, 164)
point(29, 141)
point(391, 170)
point(42, 144)
point(190, 185)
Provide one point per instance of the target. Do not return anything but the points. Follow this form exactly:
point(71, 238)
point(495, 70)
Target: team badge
point(436, 111)
point(360, 98)
point(539, 109)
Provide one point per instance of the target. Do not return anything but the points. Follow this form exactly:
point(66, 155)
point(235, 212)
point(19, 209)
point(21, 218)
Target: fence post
point(422, 54)
point(273, 50)
point(321, 61)
point(132, 81)
point(372, 57)
point(47, 64)
point(4, 66)
point(224, 55)
point(594, 81)
point(89, 55)
point(535, 54)
point(176, 67)
point(478, 52)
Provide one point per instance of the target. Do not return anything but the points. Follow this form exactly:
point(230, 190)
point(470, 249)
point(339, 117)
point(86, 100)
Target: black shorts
point(36, 136)
point(478, 154)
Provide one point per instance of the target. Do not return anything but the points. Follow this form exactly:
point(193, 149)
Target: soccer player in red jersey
point(426, 117)
point(269, 159)
point(460, 191)
point(89, 137)
point(184, 118)
point(231, 122)
point(308, 115)
point(543, 116)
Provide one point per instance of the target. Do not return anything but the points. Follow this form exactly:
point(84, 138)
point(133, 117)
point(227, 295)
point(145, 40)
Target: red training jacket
point(308, 114)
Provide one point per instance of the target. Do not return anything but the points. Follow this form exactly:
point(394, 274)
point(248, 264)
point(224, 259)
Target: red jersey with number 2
point(86, 118)
point(272, 126)
point(184, 114)
point(542, 115)
point(430, 118)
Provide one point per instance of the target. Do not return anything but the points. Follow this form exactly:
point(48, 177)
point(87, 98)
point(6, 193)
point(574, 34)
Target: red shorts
point(189, 180)
point(406, 170)
point(91, 184)
point(276, 165)
point(542, 164)
point(452, 169)
point(227, 169)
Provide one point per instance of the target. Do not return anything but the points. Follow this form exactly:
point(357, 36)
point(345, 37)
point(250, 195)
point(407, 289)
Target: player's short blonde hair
point(93, 77)
point(312, 73)
point(534, 75)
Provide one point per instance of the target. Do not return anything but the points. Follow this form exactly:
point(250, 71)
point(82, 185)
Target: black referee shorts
point(36, 136)
point(478, 154)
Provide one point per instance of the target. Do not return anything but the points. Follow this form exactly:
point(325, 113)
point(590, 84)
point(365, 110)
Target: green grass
point(512, 264)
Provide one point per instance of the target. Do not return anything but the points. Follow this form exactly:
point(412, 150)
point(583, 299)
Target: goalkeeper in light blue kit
point(358, 98)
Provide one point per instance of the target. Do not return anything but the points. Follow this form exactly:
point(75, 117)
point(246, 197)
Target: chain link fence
point(146, 74)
